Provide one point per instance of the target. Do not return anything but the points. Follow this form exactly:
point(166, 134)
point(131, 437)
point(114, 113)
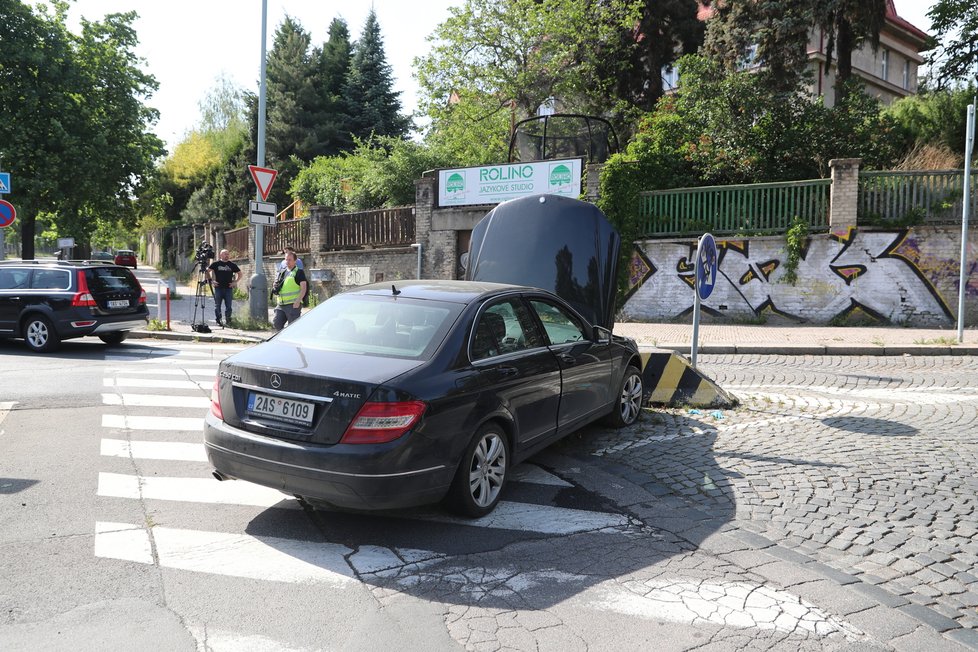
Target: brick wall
point(861, 276)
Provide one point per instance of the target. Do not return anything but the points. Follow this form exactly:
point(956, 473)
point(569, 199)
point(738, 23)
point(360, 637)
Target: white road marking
point(154, 450)
point(5, 408)
point(203, 385)
point(191, 490)
point(544, 519)
point(123, 541)
point(734, 604)
point(152, 423)
point(237, 555)
point(176, 371)
point(156, 400)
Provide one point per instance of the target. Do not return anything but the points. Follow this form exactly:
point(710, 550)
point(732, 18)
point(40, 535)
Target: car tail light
point(216, 400)
point(142, 295)
point(83, 298)
point(377, 423)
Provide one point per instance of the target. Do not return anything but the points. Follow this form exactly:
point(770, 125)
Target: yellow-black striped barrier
point(670, 380)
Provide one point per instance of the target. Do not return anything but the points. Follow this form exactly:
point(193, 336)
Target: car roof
point(450, 291)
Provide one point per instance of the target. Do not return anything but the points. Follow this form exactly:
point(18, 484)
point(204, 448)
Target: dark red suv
point(45, 302)
point(126, 257)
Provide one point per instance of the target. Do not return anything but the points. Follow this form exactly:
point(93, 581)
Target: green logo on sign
point(560, 175)
point(455, 183)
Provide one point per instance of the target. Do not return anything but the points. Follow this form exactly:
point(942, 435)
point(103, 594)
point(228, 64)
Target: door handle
point(567, 359)
point(506, 371)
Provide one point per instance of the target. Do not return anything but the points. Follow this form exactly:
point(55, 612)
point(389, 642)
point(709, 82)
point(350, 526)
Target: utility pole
point(969, 142)
point(258, 285)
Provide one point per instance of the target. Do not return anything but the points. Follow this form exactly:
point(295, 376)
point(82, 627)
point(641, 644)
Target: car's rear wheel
point(40, 334)
point(481, 474)
point(115, 337)
point(628, 405)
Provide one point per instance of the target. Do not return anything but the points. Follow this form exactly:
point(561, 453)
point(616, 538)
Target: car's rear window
point(403, 328)
point(111, 279)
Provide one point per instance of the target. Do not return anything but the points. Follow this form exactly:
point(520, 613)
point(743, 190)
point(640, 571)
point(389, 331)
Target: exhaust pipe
point(220, 477)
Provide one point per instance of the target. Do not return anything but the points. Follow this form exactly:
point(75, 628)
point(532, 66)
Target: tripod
point(200, 298)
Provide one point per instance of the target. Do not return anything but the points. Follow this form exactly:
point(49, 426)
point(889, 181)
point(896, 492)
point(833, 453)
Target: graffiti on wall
point(879, 274)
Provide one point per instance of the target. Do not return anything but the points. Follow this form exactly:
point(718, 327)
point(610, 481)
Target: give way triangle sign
point(264, 178)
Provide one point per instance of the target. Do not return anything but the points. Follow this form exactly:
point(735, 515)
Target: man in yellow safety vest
point(294, 287)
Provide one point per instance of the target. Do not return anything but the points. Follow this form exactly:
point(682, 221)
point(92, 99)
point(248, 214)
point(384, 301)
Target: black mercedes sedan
point(396, 395)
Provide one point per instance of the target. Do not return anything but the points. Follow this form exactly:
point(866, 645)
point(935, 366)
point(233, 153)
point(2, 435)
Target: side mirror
point(601, 335)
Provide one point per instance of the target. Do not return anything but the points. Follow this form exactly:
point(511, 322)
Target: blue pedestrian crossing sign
point(4, 182)
point(706, 266)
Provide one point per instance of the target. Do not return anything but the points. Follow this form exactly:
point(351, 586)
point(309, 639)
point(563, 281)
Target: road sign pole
point(258, 285)
point(696, 328)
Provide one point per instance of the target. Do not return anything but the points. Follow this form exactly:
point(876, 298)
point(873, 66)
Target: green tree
point(292, 103)
point(334, 60)
point(663, 32)
point(380, 172)
point(955, 27)
point(373, 106)
point(773, 35)
point(496, 60)
point(74, 131)
point(936, 117)
point(848, 25)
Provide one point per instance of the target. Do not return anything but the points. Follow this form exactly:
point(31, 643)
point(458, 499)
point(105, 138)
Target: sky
point(189, 45)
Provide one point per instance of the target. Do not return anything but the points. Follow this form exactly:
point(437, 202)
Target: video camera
point(204, 253)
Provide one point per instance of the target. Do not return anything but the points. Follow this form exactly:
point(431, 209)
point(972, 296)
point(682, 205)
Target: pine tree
point(291, 102)
point(333, 62)
point(372, 103)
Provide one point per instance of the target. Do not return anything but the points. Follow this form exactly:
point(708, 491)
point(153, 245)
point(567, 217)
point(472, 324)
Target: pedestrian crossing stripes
point(153, 460)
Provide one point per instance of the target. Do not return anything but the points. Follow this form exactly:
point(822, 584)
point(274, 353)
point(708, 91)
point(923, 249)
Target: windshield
point(375, 325)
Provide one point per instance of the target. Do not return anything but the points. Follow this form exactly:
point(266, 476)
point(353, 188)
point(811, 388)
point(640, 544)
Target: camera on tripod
point(204, 253)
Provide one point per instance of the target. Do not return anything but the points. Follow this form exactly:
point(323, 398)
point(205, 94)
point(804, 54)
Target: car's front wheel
point(628, 405)
point(40, 335)
point(115, 337)
point(481, 474)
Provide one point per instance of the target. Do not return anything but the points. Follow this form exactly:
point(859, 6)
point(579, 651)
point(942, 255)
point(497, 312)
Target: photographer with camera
point(223, 275)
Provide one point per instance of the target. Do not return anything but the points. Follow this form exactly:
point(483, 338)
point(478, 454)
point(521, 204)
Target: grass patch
point(156, 325)
point(943, 341)
point(249, 323)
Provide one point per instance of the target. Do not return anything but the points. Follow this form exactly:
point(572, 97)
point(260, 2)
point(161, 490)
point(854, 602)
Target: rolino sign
point(491, 184)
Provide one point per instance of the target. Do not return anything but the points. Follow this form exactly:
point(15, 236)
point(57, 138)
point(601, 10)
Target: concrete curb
point(841, 350)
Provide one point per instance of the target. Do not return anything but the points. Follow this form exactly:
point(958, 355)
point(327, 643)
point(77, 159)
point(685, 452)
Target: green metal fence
point(913, 197)
point(740, 209)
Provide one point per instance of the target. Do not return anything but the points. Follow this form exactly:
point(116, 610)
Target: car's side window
point(50, 279)
point(13, 279)
point(498, 331)
point(559, 325)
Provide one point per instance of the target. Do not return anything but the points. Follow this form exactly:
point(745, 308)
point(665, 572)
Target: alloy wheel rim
point(631, 398)
point(37, 333)
point(488, 470)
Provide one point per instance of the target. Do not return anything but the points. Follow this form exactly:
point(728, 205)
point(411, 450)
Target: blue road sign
point(4, 182)
point(7, 213)
point(706, 266)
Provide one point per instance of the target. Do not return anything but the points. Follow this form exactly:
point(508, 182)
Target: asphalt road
point(834, 510)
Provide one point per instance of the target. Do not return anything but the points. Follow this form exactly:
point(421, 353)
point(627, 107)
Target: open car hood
point(552, 242)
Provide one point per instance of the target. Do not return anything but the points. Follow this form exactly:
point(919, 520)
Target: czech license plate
point(283, 409)
point(119, 303)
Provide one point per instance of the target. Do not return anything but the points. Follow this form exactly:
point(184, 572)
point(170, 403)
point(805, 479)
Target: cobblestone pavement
point(852, 479)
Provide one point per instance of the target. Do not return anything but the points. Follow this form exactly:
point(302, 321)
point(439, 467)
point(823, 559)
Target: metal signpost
point(706, 276)
point(969, 143)
point(258, 284)
point(7, 212)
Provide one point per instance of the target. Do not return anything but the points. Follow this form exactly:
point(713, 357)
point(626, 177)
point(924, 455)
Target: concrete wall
point(902, 276)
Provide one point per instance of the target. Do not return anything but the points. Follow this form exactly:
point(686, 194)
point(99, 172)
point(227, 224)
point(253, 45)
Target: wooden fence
point(385, 227)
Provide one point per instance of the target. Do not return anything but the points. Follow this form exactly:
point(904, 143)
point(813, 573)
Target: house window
point(885, 63)
point(670, 78)
point(906, 74)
